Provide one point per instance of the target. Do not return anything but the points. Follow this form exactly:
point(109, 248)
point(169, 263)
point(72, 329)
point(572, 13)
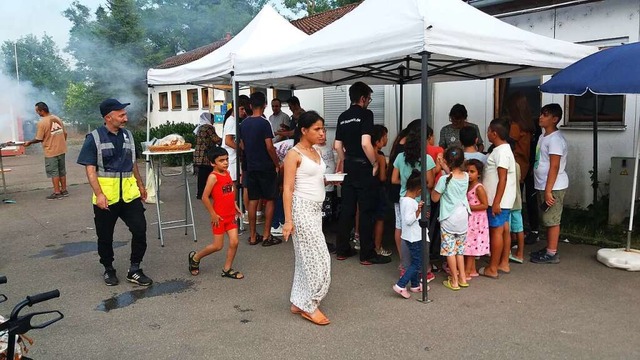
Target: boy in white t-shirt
point(551, 180)
point(500, 182)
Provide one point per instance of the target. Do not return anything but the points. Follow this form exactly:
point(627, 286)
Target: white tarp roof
point(267, 32)
point(373, 40)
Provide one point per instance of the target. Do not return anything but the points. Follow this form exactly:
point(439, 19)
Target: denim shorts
point(516, 224)
point(498, 220)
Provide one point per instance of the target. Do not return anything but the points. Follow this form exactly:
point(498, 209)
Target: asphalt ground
point(578, 309)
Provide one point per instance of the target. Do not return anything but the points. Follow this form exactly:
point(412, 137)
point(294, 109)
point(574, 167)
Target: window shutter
point(336, 101)
point(377, 104)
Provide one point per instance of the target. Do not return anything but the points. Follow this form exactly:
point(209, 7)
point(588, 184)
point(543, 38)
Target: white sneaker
point(245, 218)
point(383, 252)
point(277, 231)
point(259, 218)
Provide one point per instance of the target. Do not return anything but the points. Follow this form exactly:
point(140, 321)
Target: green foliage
point(39, 62)
point(81, 105)
point(168, 128)
point(312, 7)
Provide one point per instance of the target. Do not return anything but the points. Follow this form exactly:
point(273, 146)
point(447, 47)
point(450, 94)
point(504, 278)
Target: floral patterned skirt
point(312, 274)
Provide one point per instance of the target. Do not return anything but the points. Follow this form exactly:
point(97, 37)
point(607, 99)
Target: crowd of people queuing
point(474, 200)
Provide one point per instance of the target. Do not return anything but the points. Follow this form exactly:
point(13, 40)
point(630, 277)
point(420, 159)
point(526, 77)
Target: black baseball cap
point(110, 105)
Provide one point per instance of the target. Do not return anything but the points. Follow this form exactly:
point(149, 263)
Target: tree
point(312, 7)
point(115, 48)
point(39, 62)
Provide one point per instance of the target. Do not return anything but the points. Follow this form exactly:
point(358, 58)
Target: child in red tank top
point(219, 197)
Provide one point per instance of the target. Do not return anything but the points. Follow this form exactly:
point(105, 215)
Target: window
point(259, 89)
point(283, 95)
point(336, 101)
point(205, 98)
point(580, 110)
point(192, 99)
point(163, 100)
point(176, 100)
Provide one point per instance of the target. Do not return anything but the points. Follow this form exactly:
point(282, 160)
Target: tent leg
point(424, 221)
point(236, 116)
point(634, 188)
point(146, 167)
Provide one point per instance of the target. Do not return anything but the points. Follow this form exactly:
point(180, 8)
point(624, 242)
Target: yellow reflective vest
point(115, 168)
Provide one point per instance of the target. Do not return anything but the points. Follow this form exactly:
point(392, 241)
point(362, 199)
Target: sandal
point(319, 319)
point(232, 274)
point(460, 284)
point(258, 240)
point(194, 266)
point(448, 285)
point(271, 240)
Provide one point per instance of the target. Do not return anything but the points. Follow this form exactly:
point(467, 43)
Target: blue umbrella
point(613, 71)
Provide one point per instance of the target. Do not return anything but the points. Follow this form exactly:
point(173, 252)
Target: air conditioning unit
point(622, 170)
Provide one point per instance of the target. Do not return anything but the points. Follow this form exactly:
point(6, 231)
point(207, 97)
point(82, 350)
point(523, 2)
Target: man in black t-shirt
point(256, 140)
point(357, 158)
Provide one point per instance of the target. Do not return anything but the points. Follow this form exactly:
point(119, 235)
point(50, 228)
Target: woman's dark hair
point(413, 126)
point(454, 156)
point(477, 164)
point(458, 112)
point(412, 149)
point(215, 152)
point(518, 111)
point(306, 120)
point(413, 182)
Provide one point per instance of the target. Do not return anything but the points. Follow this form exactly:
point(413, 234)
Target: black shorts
point(262, 184)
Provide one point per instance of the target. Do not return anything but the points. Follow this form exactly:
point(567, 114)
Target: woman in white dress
point(303, 194)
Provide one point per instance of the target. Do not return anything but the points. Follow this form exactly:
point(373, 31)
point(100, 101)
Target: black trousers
point(133, 216)
point(532, 202)
point(203, 174)
point(359, 191)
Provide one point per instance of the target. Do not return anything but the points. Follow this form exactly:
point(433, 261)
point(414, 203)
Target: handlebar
point(34, 299)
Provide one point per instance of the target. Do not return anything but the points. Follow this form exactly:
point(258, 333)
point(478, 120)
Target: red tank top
point(224, 202)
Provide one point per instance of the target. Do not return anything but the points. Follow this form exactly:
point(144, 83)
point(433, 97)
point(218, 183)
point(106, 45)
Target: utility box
point(622, 170)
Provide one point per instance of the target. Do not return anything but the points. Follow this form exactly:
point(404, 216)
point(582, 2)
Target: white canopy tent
point(266, 33)
point(372, 41)
point(390, 42)
point(410, 41)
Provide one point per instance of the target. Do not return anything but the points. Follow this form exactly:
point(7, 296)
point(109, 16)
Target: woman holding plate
point(303, 195)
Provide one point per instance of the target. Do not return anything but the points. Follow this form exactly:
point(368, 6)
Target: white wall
point(605, 23)
point(185, 115)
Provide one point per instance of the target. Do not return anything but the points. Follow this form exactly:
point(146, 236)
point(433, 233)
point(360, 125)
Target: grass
point(583, 226)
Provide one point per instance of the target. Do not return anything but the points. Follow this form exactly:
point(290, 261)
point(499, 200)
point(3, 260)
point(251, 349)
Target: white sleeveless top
point(309, 183)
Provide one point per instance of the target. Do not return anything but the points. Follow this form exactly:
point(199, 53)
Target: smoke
point(17, 114)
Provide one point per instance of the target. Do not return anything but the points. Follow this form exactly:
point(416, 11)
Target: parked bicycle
point(18, 325)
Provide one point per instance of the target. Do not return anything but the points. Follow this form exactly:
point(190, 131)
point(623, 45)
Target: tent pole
point(424, 221)
point(146, 167)
point(236, 116)
point(401, 71)
point(634, 188)
point(401, 106)
point(595, 168)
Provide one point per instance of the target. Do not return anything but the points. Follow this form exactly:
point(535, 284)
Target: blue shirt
point(253, 133)
point(453, 195)
point(89, 153)
point(405, 171)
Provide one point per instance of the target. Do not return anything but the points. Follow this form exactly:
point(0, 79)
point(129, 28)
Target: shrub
point(183, 129)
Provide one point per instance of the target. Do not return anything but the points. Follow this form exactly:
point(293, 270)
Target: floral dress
point(477, 243)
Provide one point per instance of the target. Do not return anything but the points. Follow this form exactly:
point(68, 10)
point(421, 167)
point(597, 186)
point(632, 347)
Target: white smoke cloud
point(17, 102)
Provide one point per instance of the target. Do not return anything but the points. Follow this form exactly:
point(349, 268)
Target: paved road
point(578, 309)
